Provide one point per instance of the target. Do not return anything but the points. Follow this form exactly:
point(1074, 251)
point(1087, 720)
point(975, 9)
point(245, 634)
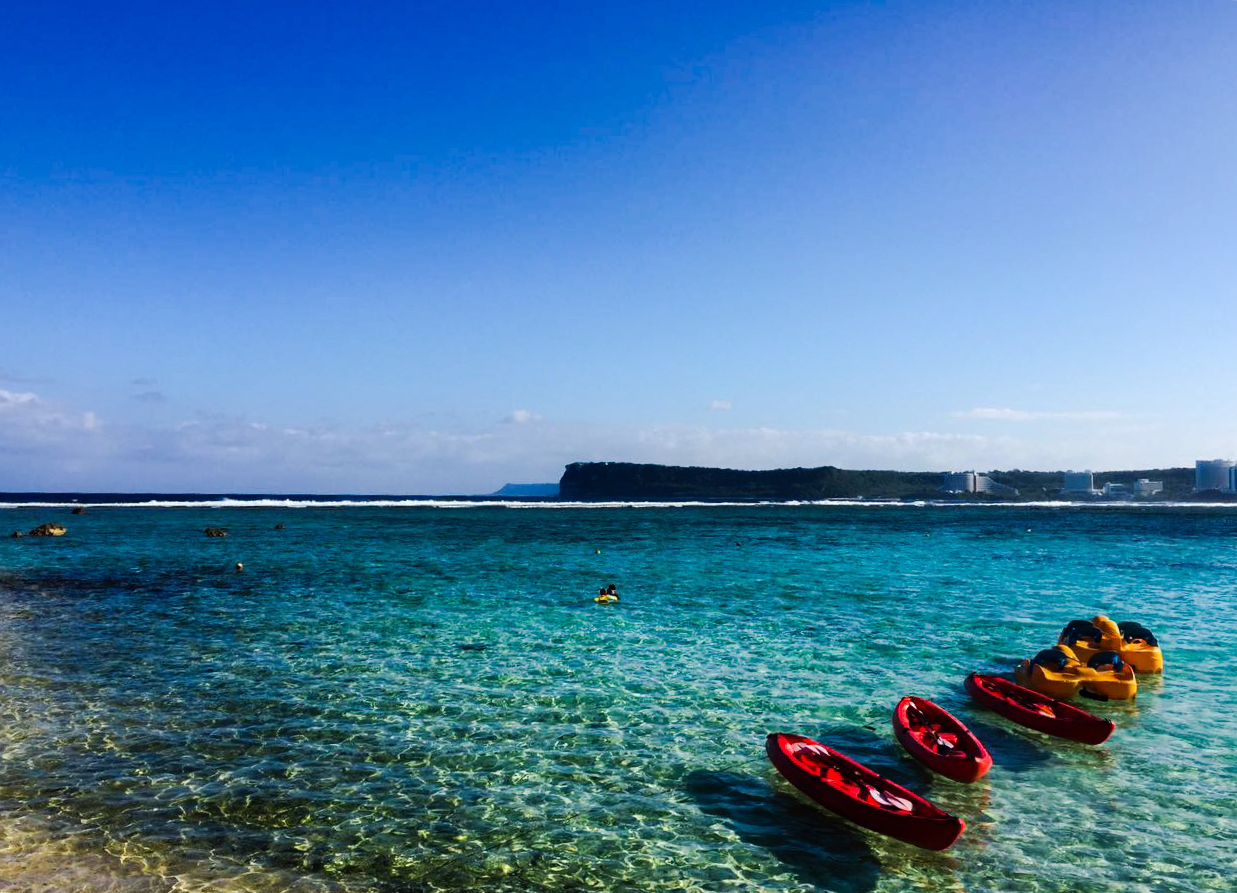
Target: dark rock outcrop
point(78, 511)
point(49, 530)
point(216, 531)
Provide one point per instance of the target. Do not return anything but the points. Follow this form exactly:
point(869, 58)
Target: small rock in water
point(49, 530)
point(472, 646)
point(216, 531)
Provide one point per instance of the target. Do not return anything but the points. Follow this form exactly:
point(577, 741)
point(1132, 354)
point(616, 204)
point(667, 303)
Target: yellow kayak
point(1132, 641)
point(1058, 673)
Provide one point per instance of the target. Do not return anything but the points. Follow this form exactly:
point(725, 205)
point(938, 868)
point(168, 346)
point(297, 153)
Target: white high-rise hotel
point(1215, 474)
point(1079, 482)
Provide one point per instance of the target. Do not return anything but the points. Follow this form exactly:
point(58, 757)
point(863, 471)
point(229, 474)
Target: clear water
point(425, 698)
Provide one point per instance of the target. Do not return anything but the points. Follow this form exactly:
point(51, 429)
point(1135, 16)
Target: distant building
point(1215, 474)
point(1079, 482)
point(1117, 490)
point(959, 482)
point(970, 482)
point(985, 484)
point(1144, 487)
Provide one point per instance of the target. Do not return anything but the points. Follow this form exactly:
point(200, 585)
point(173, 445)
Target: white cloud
point(10, 400)
point(43, 445)
point(522, 417)
point(1024, 415)
point(720, 405)
point(26, 419)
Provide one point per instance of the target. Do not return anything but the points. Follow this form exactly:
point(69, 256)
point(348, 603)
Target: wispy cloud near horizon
point(1028, 415)
point(53, 447)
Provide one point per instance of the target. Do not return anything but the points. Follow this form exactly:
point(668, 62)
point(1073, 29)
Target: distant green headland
point(626, 480)
point(527, 491)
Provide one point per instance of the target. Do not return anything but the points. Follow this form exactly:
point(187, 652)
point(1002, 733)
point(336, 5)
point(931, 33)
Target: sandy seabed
point(35, 859)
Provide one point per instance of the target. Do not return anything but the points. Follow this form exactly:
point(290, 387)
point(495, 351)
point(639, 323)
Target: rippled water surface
point(414, 698)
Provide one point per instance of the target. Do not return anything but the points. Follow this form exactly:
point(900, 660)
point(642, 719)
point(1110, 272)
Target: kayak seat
point(1131, 631)
point(1052, 659)
point(1106, 659)
point(1083, 630)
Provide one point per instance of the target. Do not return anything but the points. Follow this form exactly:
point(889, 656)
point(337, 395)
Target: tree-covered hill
point(626, 480)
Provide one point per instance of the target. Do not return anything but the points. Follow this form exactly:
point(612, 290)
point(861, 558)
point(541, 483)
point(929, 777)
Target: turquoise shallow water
point(426, 698)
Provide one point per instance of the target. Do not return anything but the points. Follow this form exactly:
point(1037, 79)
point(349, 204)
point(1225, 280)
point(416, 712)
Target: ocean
point(422, 696)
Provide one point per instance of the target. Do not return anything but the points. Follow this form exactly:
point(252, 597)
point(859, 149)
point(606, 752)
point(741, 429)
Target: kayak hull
point(859, 794)
point(1029, 708)
point(939, 740)
point(1144, 658)
point(1104, 684)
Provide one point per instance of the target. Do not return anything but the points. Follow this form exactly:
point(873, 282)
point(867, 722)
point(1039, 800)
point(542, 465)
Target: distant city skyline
point(435, 249)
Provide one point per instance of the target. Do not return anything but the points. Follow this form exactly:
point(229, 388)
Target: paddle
point(865, 788)
point(826, 760)
point(923, 724)
point(1019, 698)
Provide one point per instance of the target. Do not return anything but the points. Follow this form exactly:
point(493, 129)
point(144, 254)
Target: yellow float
point(1058, 673)
point(1133, 641)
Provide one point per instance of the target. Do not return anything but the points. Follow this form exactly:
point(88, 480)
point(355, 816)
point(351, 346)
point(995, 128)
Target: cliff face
point(625, 480)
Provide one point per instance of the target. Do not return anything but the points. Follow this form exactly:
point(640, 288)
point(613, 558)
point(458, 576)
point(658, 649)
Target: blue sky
point(436, 247)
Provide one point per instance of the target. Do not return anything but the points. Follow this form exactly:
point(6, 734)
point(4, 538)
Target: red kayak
point(939, 740)
point(855, 792)
point(1028, 707)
